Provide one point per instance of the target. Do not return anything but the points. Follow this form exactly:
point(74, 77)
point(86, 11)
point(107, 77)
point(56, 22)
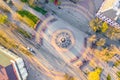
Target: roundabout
point(63, 40)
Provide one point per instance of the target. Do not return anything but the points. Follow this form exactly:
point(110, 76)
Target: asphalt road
point(53, 63)
point(44, 65)
point(77, 15)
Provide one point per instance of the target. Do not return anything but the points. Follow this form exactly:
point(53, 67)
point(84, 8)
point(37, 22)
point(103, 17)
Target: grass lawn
point(41, 10)
point(28, 18)
point(24, 33)
point(24, 0)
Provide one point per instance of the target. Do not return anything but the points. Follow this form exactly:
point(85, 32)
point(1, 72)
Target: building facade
point(110, 12)
point(12, 67)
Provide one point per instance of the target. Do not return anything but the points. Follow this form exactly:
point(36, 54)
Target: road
point(78, 14)
point(54, 63)
point(45, 65)
point(34, 58)
point(30, 63)
point(38, 66)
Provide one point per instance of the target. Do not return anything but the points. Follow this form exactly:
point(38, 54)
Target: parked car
point(31, 50)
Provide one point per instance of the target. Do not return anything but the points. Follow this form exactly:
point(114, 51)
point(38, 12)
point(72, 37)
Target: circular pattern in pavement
point(62, 40)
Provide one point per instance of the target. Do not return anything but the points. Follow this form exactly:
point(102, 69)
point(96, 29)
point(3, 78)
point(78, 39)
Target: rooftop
point(110, 9)
point(5, 59)
point(110, 4)
point(111, 13)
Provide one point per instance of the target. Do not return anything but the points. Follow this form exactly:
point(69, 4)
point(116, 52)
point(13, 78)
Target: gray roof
point(118, 20)
point(110, 13)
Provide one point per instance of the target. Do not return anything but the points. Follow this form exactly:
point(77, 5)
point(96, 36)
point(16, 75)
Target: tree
point(95, 24)
point(98, 26)
point(113, 49)
point(24, 0)
point(106, 53)
point(100, 42)
point(118, 74)
point(108, 77)
point(117, 63)
point(3, 18)
point(68, 77)
point(104, 27)
point(92, 39)
point(31, 2)
point(113, 33)
point(6, 41)
point(95, 75)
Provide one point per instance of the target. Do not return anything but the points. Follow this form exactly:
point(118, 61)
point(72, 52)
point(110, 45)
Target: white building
point(14, 66)
point(110, 12)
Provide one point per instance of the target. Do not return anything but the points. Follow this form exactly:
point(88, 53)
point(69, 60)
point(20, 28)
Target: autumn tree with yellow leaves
point(98, 25)
point(95, 75)
point(107, 53)
point(100, 42)
point(113, 33)
point(3, 18)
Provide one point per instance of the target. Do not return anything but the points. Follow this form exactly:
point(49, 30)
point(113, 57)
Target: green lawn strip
point(24, 0)
point(41, 10)
point(29, 15)
point(24, 33)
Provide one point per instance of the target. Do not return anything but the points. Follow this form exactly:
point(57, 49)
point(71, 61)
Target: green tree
point(117, 63)
point(24, 0)
point(95, 24)
point(24, 33)
point(98, 26)
point(108, 77)
point(118, 74)
point(3, 18)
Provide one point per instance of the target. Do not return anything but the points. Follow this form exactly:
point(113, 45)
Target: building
point(110, 12)
point(12, 67)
